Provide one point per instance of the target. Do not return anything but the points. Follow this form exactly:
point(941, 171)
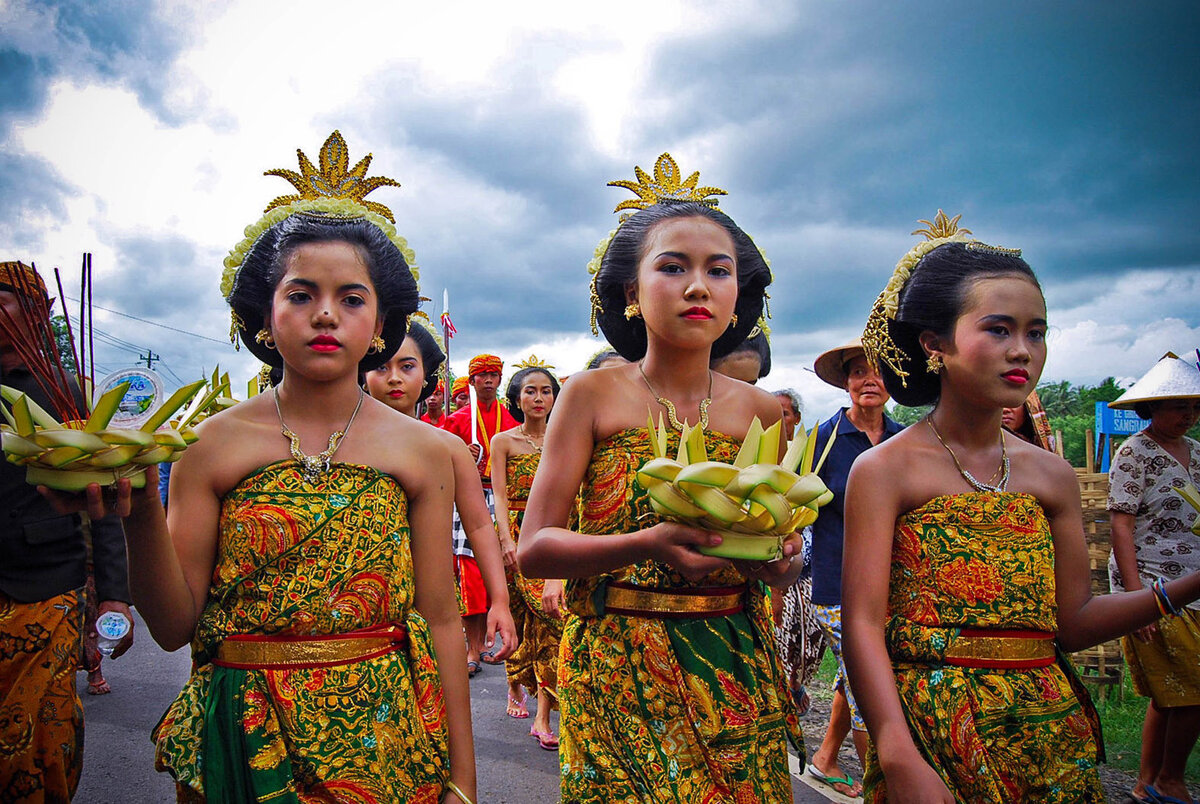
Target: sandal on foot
point(489, 657)
point(816, 773)
point(1159, 798)
point(97, 685)
point(517, 709)
point(546, 739)
point(472, 669)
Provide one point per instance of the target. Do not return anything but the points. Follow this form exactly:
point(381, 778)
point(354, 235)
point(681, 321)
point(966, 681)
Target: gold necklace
point(1001, 485)
point(529, 439)
point(666, 403)
point(315, 465)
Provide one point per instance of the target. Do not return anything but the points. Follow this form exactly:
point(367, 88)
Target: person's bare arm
point(477, 524)
point(872, 507)
point(1123, 551)
point(1085, 619)
point(508, 547)
point(429, 519)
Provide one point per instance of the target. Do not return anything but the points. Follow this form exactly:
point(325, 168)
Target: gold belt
point(641, 601)
point(255, 652)
point(997, 648)
point(516, 505)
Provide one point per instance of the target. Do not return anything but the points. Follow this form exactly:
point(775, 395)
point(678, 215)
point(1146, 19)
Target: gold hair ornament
point(664, 185)
point(533, 362)
point(330, 189)
point(877, 341)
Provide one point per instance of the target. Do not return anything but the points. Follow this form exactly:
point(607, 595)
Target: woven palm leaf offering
point(753, 503)
point(1192, 497)
point(73, 446)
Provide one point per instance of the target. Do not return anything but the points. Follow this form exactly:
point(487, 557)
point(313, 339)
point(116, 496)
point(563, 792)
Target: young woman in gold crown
point(306, 553)
point(402, 383)
point(669, 685)
point(538, 604)
point(970, 574)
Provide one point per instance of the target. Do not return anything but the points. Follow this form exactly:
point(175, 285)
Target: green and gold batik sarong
point(535, 663)
point(314, 678)
point(670, 691)
point(991, 705)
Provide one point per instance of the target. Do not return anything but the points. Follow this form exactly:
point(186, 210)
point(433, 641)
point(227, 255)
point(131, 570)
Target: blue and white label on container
point(142, 398)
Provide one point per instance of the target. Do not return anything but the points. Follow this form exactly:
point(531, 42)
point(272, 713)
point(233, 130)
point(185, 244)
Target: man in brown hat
point(43, 568)
point(859, 427)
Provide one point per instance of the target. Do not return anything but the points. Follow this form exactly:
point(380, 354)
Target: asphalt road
point(119, 758)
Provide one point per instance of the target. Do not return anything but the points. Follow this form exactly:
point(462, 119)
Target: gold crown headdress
point(876, 340)
point(533, 362)
point(664, 186)
point(331, 188)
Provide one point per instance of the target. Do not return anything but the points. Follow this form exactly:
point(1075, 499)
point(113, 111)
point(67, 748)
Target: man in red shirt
point(491, 417)
point(435, 410)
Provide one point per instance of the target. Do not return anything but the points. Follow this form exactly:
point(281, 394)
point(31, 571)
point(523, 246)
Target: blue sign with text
point(1111, 423)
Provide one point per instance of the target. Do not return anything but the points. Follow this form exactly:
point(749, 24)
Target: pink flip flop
point(546, 739)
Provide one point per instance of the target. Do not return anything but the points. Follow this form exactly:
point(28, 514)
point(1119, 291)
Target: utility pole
point(149, 357)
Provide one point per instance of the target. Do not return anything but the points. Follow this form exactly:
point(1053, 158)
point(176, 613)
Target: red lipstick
point(325, 343)
point(1017, 376)
point(697, 314)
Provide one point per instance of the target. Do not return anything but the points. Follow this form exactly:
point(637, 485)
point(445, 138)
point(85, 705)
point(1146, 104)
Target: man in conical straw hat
point(1154, 541)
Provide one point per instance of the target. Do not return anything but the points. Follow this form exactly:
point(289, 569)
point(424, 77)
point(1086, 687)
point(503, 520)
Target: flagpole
point(446, 398)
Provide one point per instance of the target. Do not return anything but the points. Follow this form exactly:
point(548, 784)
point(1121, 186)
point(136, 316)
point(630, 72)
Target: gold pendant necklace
point(529, 439)
point(315, 465)
point(672, 418)
point(1001, 485)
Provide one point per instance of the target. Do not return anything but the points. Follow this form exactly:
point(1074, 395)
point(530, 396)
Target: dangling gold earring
point(934, 364)
point(377, 345)
point(733, 321)
point(265, 338)
point(633, 311)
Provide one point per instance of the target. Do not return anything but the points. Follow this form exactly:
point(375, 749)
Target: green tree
point(62, 340)
point(909, 416)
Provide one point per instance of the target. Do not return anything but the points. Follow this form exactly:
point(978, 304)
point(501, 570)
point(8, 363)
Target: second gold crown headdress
point(877, 340)
point(665, 185)
point(533, 362)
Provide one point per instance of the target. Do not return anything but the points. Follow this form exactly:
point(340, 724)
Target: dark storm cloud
point(30, 191)
point(157, 277)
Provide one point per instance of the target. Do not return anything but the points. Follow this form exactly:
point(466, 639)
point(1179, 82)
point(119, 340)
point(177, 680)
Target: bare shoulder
point(1044, 475)
point(232, 444)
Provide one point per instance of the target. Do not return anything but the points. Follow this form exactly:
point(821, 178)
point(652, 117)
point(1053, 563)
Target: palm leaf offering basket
point(67, 456)
point(753, 503)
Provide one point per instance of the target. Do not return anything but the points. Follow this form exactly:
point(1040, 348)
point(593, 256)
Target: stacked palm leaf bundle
point(72, 446)
point(753, 503)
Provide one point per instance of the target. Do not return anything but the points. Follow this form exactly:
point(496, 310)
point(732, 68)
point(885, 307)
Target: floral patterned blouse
point(1140, 483)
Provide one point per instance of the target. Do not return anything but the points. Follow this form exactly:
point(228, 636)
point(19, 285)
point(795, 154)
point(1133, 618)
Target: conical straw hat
point(1170, 378)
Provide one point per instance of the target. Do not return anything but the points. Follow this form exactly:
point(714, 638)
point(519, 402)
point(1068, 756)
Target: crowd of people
point(337, 601)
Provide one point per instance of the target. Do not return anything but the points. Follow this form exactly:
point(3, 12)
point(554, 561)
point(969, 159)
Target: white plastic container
point(111, 626)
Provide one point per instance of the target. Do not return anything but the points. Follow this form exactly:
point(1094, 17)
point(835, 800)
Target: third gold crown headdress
point(876, 340)
point(665, 185)
point(331, 188)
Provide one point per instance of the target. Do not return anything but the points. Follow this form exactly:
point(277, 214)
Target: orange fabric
point(470, 584)
point(41, 716)
point(18, 274)
point(482, 364)
point(458, 386)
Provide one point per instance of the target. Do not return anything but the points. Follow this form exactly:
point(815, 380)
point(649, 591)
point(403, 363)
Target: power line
point(154, 323)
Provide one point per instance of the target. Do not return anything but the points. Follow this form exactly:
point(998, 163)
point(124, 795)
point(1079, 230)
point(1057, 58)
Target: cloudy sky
point(139, 131)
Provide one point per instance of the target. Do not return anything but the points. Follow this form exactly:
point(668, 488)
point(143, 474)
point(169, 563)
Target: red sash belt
point(257, 652)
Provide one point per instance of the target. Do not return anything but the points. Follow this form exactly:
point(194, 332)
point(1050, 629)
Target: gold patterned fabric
point(535, 662)
point(299, 565)
point(41, 717)
point(972, 582)
point(659, 709)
